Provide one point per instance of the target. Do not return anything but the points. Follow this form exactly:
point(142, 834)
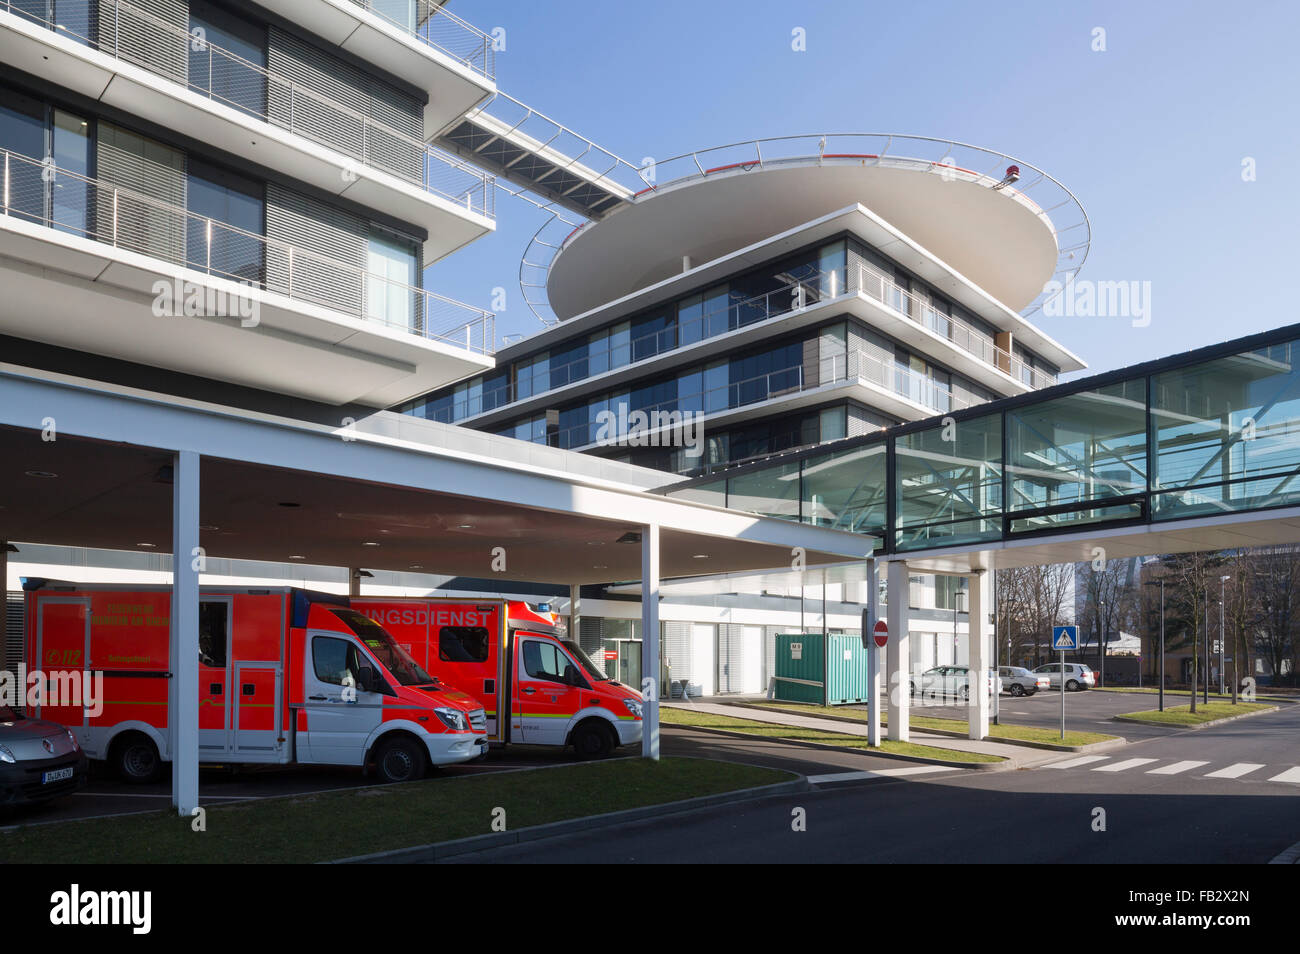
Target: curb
point(1192, 728)
point(874, 753)
point(462, 846)
point(1291, 856)
point(954, 734)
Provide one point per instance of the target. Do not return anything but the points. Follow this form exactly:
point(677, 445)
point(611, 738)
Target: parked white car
point(1019, 681)
point(1077, 676)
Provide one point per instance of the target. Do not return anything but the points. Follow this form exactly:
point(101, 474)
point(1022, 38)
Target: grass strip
point(1205, 712)
point(327, 826)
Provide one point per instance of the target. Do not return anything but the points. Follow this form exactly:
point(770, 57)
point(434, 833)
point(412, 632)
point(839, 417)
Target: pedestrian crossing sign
point(1065, 637)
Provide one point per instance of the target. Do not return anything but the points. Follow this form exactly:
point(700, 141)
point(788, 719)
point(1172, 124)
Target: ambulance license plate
point(57, 775)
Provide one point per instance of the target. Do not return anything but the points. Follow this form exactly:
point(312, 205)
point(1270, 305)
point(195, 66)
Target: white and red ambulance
point(285, 676)
point(537, 688)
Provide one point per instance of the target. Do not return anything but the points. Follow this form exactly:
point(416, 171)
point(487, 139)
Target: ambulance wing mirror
point(368, 680)
point(570, 675)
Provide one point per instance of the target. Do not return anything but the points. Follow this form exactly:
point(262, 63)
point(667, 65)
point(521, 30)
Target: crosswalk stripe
point(1123, 766)
point(1075, 763)
point(879, 773)
point(1176, 768)
point(1290, 775)
point(1235, 771)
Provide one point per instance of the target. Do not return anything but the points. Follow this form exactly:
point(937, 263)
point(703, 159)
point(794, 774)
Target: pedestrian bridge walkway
point(1198, 451)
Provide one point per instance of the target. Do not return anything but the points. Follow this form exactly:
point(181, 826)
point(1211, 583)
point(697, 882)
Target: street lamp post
point(1161, 583)
point(1205, 643)
point(1102, 651)
point(1223, 635)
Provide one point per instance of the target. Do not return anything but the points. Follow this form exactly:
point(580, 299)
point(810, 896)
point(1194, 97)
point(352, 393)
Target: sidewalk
point(1018, 755)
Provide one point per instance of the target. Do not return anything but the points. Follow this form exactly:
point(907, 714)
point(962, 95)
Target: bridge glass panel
point(847, 490)
point(1227, 434)
point(770, 492)
point(1065, 455)
point(948, 484)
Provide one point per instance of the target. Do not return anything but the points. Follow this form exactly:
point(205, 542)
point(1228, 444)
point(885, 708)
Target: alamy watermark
point(182, 299)
point(1081, 298)
point(58, 688)
point(624, 428)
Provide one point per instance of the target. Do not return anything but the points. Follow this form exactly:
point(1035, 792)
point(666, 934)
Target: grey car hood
point(27, 739)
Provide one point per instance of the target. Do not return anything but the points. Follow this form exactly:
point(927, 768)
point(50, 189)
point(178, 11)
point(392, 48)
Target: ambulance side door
point(545, 702)
point(340, 714)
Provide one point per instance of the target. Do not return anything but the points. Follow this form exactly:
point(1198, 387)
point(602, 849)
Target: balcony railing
point(36, 191)
point(856, 366)
point(877, 285)
point(817, 288)
point(127, 33)
point(436, 27)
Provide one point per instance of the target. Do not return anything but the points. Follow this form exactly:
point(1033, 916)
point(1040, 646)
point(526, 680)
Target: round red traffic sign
point(881, 633)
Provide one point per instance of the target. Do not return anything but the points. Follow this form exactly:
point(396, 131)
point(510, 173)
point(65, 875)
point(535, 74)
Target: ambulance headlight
point(76, 747)
point(452, 718)
point(6, 755)
point(633, 707)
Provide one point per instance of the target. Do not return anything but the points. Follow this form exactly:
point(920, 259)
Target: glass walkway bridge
point(1211, 434)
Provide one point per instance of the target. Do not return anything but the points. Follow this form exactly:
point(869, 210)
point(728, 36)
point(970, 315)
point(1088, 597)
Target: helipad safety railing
point(1033, 188)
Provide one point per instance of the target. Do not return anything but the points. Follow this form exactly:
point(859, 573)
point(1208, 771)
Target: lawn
point(342, 824)
point(768, 730)
point(1022, 733)
point(1205, 712)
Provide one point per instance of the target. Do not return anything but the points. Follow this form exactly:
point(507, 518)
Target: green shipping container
point(802, 673)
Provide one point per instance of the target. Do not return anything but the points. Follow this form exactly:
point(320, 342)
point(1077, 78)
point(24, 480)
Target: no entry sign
point(881, 633)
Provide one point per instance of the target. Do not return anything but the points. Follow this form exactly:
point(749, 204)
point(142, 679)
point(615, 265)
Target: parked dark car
point(38, 759)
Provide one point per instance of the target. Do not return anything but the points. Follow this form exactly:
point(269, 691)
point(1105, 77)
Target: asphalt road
point(1044, 815)
point(1087, 711)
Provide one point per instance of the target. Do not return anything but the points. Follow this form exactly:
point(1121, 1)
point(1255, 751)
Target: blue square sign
point(1065, 637)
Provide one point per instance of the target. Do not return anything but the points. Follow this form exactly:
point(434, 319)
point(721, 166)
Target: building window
point(392, 294)
point(49, 165)
point(227, 58)
point(226, 224)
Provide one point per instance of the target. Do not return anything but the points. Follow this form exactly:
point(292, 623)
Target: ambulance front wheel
point(135, 758)
point(593, 740)
point(401, 760)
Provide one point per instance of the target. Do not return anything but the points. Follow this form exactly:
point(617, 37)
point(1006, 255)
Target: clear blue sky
point(1150, 134)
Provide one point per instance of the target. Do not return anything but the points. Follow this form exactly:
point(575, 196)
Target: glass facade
point(1226, 434)
point(815, 274)
point(1194, 438)
point(52, 159)
point(226, 224)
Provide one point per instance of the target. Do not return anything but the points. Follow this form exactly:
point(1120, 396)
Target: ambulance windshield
point(391, 656)
point(592, 669)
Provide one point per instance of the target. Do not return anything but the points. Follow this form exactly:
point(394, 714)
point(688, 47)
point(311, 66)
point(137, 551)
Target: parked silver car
point(1077, 676)
point(1019, 681)
point(38, 759)
point(948, 682)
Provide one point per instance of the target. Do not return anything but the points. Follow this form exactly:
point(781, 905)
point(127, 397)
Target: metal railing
point(38, 192)
point(855, 366)
point(1037, 191)
point(864, 279)
point(128, 33)
point(794, 296)
point(434, 26)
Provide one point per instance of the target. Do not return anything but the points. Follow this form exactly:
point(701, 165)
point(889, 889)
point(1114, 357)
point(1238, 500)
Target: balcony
point(858, 290)
point(418, 40)
point(214, 96)
point(91, 266)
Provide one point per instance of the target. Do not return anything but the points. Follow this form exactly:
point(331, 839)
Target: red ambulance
point(285, 676)
point(537, 688)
